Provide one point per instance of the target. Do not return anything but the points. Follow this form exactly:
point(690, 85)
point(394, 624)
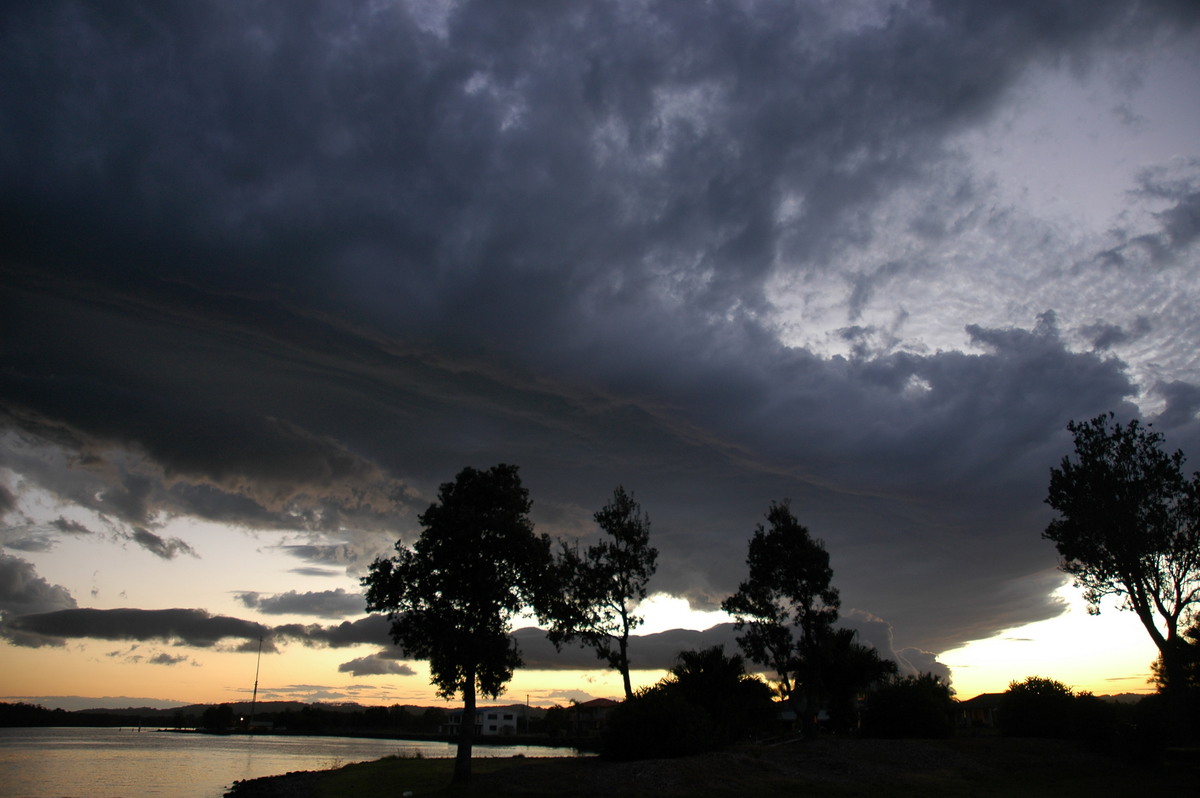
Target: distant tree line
point(20, 714)
point(305, 719)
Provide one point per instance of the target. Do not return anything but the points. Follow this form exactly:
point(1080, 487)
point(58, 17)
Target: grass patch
point(985, 767)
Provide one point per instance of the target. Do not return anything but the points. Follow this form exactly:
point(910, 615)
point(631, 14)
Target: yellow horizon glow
point(1104, 654)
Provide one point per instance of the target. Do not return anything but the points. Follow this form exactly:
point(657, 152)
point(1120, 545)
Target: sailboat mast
point(254, 697)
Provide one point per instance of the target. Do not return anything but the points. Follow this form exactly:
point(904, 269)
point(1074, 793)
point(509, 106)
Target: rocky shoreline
point(297, 784)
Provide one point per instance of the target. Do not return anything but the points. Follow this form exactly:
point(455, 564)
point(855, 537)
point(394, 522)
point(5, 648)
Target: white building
point(490, 721)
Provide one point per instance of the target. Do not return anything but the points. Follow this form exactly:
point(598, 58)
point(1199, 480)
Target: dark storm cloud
point(1105, 336)
point(1177, 184)
point(8, 501)
point(316, 572)
point(660, 650)
point(324, 604)
point(188, 626)
point(375, 665)
point(291, 270)
point(1177, 226)
point(877, 633)
point(163, 658)
point(647, 652)
point(23, 592)
point(70, 527)
point(327, 553)
point(193, 627)
point(31, 544)
point(371, 630)
point(1183, 405)
point(160, 658)
point(166, 548)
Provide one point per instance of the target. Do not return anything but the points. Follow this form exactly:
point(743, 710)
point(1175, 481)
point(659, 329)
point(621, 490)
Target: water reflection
point(43, 763)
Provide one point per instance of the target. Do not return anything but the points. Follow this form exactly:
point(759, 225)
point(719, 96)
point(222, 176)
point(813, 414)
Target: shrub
point(1037, 707)
point(913, 706)
point(738, 705)
point(707, 701)
point(657, 722)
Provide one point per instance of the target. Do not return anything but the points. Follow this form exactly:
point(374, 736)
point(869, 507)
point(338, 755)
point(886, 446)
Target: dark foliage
point(218, 718)
point(738, 705)
point(706, 702)
point(914, 706)
point(1188, 664)
point(452, 597)
point(31, 715)
point(657, 722)
point(845, 669)
point(599, 589)
point(1128, 526)
point(1038, 707)
point(786, 605)
point(556, 722)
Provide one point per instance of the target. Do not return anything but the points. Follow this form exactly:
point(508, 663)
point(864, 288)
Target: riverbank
point(497, 741)
point(986, 767)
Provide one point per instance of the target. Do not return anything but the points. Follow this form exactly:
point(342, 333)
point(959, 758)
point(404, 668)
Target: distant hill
point(294, 714)
point(1124, 698)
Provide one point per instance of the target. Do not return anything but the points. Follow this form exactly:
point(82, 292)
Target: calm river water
point(106, 763)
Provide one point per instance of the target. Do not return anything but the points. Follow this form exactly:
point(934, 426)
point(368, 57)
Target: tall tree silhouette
point(1128, 526)
point(786, 605)
point(599, 589)
point(452, 597)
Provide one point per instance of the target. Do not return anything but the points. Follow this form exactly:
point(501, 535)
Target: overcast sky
point(273, 271)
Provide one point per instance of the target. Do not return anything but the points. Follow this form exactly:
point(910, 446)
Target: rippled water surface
point(104, 763)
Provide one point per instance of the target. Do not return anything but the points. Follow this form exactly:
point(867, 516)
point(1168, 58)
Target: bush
point(737, 705)
point(1037, 707)
point(657, 722)
point(914, 706)
point(707, 701)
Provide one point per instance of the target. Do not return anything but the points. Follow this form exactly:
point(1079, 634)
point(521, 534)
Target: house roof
point(983, 700)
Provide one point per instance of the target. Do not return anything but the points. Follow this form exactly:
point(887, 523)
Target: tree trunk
point(809, 727)
point(1176, 692)
point(625, 667)
point(466, 731)
point(796, 704)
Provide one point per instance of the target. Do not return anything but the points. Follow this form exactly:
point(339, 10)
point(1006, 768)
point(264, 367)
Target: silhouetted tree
point(1097, 723)
point(1128, 525)
point(912, 706)
point(706, 701)
point(432, 719)
point(845, 669)
point(217, 719)
point(737, 703)
point(377, 717)
point(657, 722)
point(600, 588)
point(452, 597)
point(556, 721)
point(785, 605)
point(1037, 707)
point(1190, 656)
